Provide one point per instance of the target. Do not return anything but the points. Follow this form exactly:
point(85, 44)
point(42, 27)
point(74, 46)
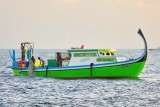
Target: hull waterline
point(129, 70)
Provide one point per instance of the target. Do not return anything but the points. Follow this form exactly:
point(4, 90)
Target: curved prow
point(145, 44)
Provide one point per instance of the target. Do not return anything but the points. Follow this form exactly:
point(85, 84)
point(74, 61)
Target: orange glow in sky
point(66, 23)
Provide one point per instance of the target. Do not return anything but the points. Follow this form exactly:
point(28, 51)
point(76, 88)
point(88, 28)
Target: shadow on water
point(102, 78)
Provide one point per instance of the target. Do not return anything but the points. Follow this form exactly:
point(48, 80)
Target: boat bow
point(144, 56)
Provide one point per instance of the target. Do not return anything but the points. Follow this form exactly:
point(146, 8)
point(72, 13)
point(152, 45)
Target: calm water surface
point(18, 91)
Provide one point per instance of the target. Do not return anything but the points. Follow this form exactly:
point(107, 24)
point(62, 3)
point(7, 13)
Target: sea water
point(16, 91)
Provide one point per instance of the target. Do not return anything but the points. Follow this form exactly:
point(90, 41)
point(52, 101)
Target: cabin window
point(107, 53)
point(106, 59)
point(112, 54)
point(85, 55)
point(63, 58)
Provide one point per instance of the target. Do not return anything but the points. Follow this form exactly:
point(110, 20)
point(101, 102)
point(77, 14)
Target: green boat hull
point(129, 70)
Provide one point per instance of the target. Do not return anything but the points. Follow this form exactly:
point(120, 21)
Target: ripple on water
point(41, 92)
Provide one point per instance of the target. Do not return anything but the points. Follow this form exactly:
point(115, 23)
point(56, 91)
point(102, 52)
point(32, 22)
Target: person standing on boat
point(41, 62)
point(59, 59)
point(33, 59)
point(23, 51)
point(31, 66)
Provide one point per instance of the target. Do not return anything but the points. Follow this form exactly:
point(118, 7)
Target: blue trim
point(88, 66)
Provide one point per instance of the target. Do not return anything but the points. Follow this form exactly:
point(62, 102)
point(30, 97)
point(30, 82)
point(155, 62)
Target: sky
point(62, 24)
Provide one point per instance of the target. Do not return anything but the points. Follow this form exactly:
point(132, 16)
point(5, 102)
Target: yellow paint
point(37, 63)
point(23, 65)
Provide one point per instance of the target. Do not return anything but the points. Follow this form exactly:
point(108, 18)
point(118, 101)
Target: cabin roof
point(27, 42)
point(88, 50)
point(81, 50)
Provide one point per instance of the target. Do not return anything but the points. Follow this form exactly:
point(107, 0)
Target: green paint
point(52, 62)
point(130, 70)
point(70, 73)
point(85, 55)
point(82, 50)
point(16, 72)
point(106, 59)
point(36, 73)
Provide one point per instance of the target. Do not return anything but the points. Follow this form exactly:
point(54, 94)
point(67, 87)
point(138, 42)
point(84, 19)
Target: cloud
point(152, 4)
point(148, 4)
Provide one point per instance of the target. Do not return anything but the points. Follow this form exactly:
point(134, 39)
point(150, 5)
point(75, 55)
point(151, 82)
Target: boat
point(83, 63)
